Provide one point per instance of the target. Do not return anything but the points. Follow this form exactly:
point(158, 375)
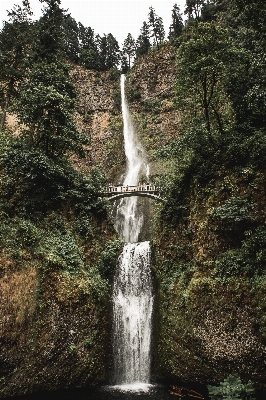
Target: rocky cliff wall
point(55, 318)
point(208, 257)
point(150, 92)
point(99, 117)
point(56, 265)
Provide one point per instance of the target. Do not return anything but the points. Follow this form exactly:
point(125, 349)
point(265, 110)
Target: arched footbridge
point(118, 192)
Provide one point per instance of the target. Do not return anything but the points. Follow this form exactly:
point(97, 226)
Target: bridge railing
point(112, 190)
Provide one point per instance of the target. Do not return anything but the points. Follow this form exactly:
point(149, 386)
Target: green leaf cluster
point(231, 389)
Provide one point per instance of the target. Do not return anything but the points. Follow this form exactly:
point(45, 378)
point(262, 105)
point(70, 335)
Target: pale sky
point(107, 16)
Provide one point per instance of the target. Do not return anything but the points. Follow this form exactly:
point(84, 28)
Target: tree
point(209, 11)
point(109, 52)
point(50, 36)
point(71, 38)
point(156, 27)
point(205, 64)
point(47, 97)
point(124, 64)
point(89, 54)
point(15, 46)
point(143, 41)
point(193, 8)
point(246, 21)
point(177, 25)
point(129, 49)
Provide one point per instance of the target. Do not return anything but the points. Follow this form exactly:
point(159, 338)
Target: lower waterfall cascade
point(132, 292)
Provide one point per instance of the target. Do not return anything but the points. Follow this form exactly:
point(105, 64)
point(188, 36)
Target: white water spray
point(132, 315)
point(132, 296)
point(128, 220)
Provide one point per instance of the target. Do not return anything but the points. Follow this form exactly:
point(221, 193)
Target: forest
point(208, 238)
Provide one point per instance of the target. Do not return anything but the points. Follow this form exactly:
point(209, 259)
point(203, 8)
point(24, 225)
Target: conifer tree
point(112, 52)
point(89, 54)
point(143, 41)
point(193, 8)
point(71, 38)
point(15, 47)
point(129, 49)
point(47, 97)
point(124, 64)
point(156, 27)
point(176, 26)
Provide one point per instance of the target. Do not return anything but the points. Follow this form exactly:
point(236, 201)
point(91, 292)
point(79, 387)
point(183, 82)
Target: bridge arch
point(118, 192)
point(118, 196)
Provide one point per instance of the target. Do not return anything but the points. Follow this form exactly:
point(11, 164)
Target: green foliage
point(114, 74)
point(204, 64)
point(143, 41)
point(177, 25)
point(231, 389)
point(59, 251)
point(129, 50)
point(46, 106)
point(193, 8)
point(31, 177)
point(156, 27)
point(71, 38)
point(109, 258)
point(73, 349)
point(152, 105)
point(234, 209)
point(15, 48)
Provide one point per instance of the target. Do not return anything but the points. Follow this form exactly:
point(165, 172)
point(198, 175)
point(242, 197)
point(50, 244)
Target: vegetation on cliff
point(58, 245)
point(209, 250)
point(199, 104)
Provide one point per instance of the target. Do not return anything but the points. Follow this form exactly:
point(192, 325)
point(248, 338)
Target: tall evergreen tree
point(129, 49)
point(143, 41)
point(47, 97)
point(15, 46)
point(193, 8)
point(112, 52)
point(89, 54)
point(156, 27)
point(124, 64)
point(71, 38)
point(109, 52)
point(176, 26)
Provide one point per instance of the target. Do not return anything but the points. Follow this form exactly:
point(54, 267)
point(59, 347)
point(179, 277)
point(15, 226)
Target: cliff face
point(150, 92)
point(208, 258)
point(56, 265)
point(55, 319)
point(99, 116)
point(210, 305)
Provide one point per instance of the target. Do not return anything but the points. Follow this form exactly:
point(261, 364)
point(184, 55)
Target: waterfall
point(132, 294)
point(132, 311)
point(128, 220)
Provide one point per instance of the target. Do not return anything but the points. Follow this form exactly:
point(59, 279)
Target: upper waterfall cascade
point(132, 294)
point(128, 220)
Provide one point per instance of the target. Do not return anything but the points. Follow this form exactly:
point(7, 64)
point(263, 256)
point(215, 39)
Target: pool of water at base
point(124, 392)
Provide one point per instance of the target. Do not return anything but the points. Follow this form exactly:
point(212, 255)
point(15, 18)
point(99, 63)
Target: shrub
point(231, 389)
point(234, 209)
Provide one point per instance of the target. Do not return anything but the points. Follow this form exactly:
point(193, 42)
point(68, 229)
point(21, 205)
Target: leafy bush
point(234, 209)
point(249, 259)
point(114, 74)
point(61, 251)
point(109, 258)
point(152, 105)
point(231, 389)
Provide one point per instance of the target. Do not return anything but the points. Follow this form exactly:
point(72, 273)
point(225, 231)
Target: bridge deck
point(118, 192)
